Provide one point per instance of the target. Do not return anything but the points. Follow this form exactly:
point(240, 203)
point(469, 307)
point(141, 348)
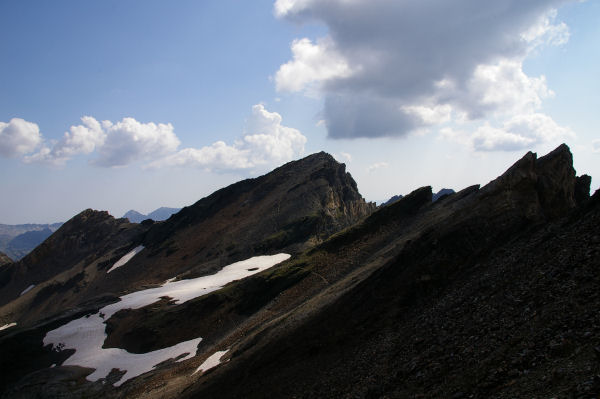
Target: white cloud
point(429, 115)
point(596, 145)
point(117, 144)
point(266, 142)
point(389, 68)
point(502, 88)
point(377, 165)
point(545, 32)
point(129, 140)
point(80, 139)
point(518, 133)
point(284, 7)
point(312, 63)
point(18, 137)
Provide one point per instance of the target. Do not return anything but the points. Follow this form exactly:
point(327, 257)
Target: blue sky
point(180, 99)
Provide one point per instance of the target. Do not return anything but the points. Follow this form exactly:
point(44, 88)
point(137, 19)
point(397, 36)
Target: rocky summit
point(291, 285)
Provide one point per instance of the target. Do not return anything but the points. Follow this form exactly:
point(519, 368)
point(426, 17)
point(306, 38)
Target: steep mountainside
point(488, 292)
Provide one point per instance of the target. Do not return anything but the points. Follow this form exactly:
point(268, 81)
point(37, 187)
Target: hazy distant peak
point(162, 213)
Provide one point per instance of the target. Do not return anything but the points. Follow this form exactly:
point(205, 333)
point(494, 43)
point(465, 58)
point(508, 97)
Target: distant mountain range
point(18, 240)
point(160, 214)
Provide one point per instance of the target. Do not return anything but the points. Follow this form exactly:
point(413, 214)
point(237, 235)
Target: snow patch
point(213, 361)
point(87, 334)
point(26, 290)
point(9, 325)
point(126, 258)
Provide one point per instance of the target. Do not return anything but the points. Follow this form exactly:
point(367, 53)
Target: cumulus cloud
point(389, 68)
point(518, 133)
point(266, 142)
point(129, 140)
point(312, 63)
point(117, 144)
point(18, 137)
point(596, 146)
point(80, 139)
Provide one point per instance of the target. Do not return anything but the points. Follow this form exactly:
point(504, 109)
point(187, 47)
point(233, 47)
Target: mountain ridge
point(416, 298)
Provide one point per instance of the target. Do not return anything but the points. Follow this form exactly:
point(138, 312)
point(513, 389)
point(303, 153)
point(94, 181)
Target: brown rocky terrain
point(488, 292)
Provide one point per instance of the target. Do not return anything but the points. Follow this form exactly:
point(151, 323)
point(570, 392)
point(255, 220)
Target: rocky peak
point(301, 200)
point(556, 181)
point(547, 186)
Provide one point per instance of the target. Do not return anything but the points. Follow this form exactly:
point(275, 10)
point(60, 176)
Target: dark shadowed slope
point(490, 292)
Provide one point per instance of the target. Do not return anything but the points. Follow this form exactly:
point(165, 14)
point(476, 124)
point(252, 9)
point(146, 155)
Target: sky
point(137, 104)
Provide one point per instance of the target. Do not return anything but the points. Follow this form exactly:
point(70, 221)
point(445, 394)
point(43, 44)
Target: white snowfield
point(26, 290)
point(87, 334)
point(212, 361)
point(126, 258)
point(9, 325)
